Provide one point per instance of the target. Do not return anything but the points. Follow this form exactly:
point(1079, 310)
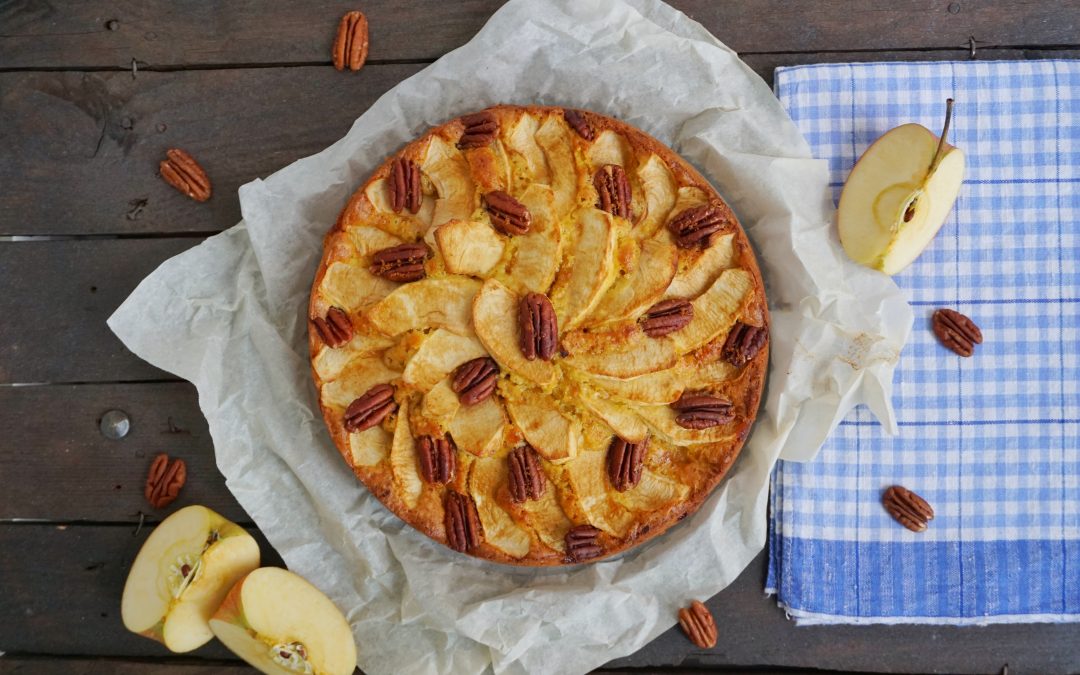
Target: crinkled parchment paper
point(229, 315)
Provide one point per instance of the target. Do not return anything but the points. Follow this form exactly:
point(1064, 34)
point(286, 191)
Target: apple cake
point(538, 335)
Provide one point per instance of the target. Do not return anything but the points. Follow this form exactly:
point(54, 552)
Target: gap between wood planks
point(144, 66)
point(961, 50)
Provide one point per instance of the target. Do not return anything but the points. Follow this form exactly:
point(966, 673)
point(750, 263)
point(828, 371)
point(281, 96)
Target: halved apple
point(428, 303)
point(469, 247)
point(520, 140)
point(182, 573)
point(448, 170)
point(403, 460)
point(622, 350)
point(495, 319)
point(282, 625)
point(650, 274)
point(588, 271)
point(554, 436)
point(554, 138)
point(898, 195)
point(438, 356)
point(487, 477)
point(660, 190)
point(534, 256)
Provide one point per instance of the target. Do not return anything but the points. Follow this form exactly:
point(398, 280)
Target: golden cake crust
point(602, 273)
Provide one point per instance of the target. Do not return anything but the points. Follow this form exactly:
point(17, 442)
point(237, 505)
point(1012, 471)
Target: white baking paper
point(229, 315)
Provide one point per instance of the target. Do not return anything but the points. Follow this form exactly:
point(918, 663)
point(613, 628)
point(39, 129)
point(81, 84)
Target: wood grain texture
point(164, 33)
point(62, 587)
point(173, 665)
point(69, 129)
point(57, 466)
point(39, 665)
point(84, 148)
point(79, 151)
point(36, 618)
point(57, 296)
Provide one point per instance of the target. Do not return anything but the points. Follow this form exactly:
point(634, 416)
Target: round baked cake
point(538, 335)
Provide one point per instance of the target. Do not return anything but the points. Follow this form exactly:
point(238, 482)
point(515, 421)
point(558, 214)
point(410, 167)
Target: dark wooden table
point(91, 95)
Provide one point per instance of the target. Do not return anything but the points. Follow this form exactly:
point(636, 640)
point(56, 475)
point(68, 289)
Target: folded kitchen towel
point(991, 441)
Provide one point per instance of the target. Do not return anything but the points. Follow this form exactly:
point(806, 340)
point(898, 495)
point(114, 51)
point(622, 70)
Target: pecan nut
point(579, 123)
point(539, 332)
point(508, 215)
point(405, 190)
point(702, 411)
point(370, 409)
point(438, 459)
point(581, 543)
point(351, 43)
point(180, 170)
point(164, 481)
point(404, 262)
point(479, 129)
point(474, 381)
point(907, 508)
point(624, 462)
point(698, 624)
point(336, 329)
point(743, 343)
point(667, 316)
point(527, 478)
point(463, 529)
point(613, 190)
point(956, 331)
point(698, 225)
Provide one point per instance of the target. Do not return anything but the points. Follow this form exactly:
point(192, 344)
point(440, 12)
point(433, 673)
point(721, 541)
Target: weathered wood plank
point(79, 152)
point(52, 665)
point(62, 586)
point(38, 616)
point(57, 466)
point(46, 665)
point(73, 34)
point(57, 296)
point(68, 129)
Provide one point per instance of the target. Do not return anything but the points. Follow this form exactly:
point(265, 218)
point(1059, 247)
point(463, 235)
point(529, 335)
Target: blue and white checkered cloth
point(990, 441)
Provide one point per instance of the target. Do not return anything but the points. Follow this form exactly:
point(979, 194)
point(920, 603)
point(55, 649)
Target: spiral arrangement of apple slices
point(604, 260)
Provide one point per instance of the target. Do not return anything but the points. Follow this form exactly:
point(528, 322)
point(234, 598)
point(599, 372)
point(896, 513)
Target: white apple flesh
point(182, 573)
point(282, 625)
point(898, 196)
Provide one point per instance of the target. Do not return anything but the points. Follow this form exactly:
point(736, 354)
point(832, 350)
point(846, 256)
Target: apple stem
point(944, 134)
